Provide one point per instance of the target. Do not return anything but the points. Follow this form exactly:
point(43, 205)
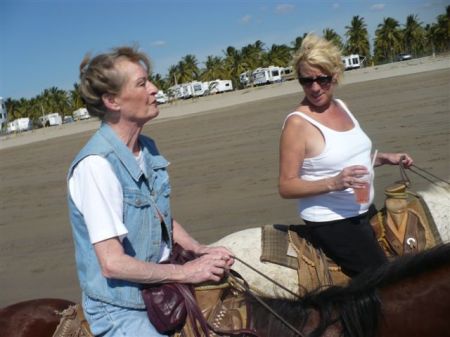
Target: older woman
point(324, 154)
point(119, 202)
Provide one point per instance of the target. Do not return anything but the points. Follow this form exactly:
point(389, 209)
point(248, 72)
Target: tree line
point(391, 38)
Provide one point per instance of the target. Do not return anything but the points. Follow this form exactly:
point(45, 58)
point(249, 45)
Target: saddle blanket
point(276, 247)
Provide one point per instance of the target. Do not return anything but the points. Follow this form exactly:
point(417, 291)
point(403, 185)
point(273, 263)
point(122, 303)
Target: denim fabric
point(108, 320)
point(145, 194)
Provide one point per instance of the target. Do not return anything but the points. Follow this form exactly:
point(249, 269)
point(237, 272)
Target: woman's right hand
point(208, 267)
point(348, 177)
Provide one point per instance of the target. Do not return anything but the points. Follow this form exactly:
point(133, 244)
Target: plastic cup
point(362, 193)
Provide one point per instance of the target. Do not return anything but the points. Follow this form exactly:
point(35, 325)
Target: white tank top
point(342, 149)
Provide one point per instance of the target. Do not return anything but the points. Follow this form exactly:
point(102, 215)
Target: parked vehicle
point(245, 78)
point(51, 119)
point(176, 91)
point(200, 88)
point(161, 97)
point(68, 119)
point(3, 115)
point(81, 113)
point(219, 86)
point(19, 125)
point(353, 61)
point(267, 75)
point(287, 73)
point(404, 57)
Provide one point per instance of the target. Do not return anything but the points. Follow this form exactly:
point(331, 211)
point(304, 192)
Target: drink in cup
point(362, 193)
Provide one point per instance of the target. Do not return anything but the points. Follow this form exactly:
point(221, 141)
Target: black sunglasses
point(321, 80)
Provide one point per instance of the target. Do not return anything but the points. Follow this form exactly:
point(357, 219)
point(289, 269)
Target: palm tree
point(253, 55)
point(76, 101)
point(278, 55)
point(158, 81)
point(187, 69)
point(297, 42)
point(438, 34)
point(234, 64)
point(173, 76)
point(215, 69)
point(331, 35)
point(357, 37)
point(388, 39)
point(414, 36)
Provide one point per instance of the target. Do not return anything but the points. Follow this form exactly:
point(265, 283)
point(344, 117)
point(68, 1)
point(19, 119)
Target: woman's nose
point(151, 88)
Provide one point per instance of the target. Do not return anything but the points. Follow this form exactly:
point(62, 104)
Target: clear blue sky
point(43, 41)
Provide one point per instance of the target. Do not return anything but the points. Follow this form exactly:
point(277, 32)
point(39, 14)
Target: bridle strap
point(267, 277)
point(244, 287)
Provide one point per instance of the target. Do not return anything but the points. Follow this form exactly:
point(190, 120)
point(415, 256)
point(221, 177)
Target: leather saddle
point(404, 225)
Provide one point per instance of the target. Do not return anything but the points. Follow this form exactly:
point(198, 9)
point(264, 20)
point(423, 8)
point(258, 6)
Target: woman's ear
point(110, 102)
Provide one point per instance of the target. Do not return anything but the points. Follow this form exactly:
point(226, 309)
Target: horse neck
point(306, 321)
point(424, 301)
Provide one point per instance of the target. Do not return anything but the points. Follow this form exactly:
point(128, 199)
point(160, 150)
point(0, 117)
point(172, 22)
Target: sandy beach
point(223, 151)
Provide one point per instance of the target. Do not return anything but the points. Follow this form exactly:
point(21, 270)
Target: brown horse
point(409, 296)
point(34, 318)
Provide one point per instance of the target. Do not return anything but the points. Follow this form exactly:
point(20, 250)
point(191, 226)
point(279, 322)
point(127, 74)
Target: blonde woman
point(324, 153)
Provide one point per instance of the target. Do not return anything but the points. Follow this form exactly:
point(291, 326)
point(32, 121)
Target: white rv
point(51, 119)
point(245, 78)
point(219, 86)
point(3, 115)
point(176, 91)
point(18, 125)
point(353, 61)
point(200, 88)
point(287, 73)
point(267, 75)
point(81, 113)
point(161, 97)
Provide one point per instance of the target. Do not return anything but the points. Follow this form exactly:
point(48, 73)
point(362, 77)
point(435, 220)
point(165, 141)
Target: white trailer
point(176, 91)
point(287, 73)
point(199, 88)
point(353, 61)
point(245, 78)
point(161, 97)
point(51, 119)
point(3, 115)
point(219, 86)
point(19, 125)
point(81, 113)
point(267, 75)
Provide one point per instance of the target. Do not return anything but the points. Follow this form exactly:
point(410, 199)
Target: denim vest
point(144, 195)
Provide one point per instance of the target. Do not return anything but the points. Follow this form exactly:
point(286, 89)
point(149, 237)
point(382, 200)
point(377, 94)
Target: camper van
point(245, 77)
point(19, 125)
point(287, 74)
point(219, 86)
point(200, 88)
point(50, 119)
point(81, 113)
point(161, 97)
point(267, 75)
point(3, 115)
point(353, 61)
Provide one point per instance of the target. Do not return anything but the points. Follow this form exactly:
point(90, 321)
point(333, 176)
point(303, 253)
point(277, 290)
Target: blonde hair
point(318, 52)
point(99, 76)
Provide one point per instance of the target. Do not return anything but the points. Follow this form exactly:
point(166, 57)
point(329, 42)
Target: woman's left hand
point(224, 253)
point(395, 159)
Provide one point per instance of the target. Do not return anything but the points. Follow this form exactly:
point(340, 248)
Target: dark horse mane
point(356, 307)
